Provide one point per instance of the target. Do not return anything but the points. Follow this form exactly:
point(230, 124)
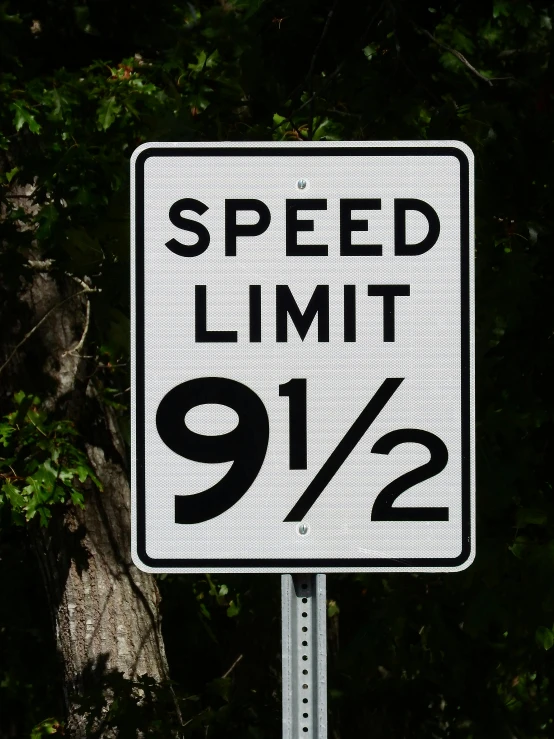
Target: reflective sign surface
point(303, 357)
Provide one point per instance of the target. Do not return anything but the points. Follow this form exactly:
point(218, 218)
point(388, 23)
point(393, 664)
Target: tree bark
point(104, 611)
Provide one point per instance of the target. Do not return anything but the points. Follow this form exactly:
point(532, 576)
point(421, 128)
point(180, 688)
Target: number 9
point(245, 445)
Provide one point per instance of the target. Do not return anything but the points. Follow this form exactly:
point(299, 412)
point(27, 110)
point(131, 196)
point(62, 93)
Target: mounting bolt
point(302, 528)
point(301, 184)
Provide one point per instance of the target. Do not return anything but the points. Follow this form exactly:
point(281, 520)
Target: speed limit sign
point(302, 325)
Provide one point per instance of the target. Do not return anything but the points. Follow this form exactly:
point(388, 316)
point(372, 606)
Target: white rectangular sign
point(303, 357)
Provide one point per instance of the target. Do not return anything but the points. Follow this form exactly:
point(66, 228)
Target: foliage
point(47, 727)
point(41, 465)
point(114, 702)
point(465, 656)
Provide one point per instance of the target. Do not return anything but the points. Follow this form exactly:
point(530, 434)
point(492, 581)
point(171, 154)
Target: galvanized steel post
point(304, 637)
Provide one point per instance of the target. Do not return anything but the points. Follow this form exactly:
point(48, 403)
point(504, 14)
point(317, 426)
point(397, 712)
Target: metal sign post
point(304, 639)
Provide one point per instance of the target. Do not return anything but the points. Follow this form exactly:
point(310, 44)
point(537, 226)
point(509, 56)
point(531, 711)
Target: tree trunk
point(104, 611)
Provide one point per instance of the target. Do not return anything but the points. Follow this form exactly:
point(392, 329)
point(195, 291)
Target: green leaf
point(332, 609)
point(44, 515)
point(369, 51)
point(83, 472)
point(77, 498)
point(221, 687)
point(108, 111)
point(46, 728)
point(6, 431)
point(523, 13)
point(82, 249)
point(14, 496)
point(517, 549)
point(527, 516)
point(544, 637)
point(96, 481)
point(19, 397)
point(203, 61)
point(47, 218)
point(18, 519)
point(11, 174)
point(36, 491)
point(326, 130)
point(501, 7)
point(22, 116)
point(234, 608)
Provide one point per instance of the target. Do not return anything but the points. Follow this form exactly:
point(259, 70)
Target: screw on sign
point(321, 294)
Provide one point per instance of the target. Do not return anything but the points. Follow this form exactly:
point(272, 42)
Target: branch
point(461, 57)
point(45, 316)
point(235, 663)
point(45, 265)
point(321, 39)
point(310, 75)
point(294, 127)
point(41, 265)
point(83, 283)
point(81, 341)
point(333, 74)
point(313, 97)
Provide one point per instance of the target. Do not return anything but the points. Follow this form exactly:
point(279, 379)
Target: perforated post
point(304, 621)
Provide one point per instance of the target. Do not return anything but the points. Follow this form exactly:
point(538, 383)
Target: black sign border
point(314, 565)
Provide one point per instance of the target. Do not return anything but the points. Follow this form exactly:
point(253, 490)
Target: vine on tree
point(40, 466)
